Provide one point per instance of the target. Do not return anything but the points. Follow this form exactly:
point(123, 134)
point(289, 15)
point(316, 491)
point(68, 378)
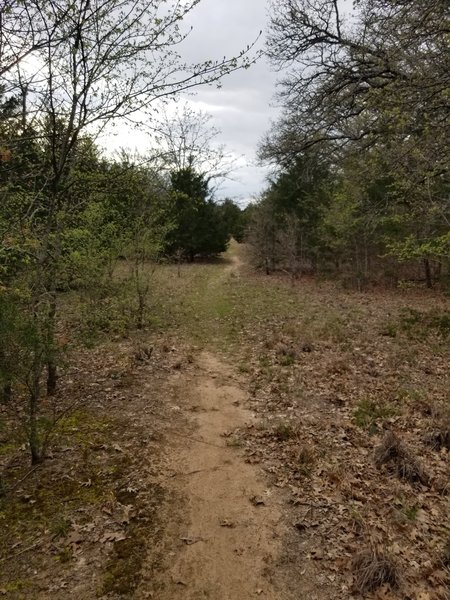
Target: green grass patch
point(19, 585)
point(123, 571)
point(8, 448)
point(369, 412)
point(48, 497)
point(287, 360)
point(419, 324)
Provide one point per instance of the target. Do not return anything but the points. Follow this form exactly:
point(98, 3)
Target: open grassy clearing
point(330, 373)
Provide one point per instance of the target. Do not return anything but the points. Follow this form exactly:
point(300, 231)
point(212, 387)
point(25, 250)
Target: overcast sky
point(243, 107)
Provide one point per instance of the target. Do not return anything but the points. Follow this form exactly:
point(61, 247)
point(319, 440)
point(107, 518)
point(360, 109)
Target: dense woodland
point(360, 153)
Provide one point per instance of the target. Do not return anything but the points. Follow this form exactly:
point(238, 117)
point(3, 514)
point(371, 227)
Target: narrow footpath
point(233, 524)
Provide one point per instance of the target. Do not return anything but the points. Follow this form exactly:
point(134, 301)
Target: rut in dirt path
point(230, 540)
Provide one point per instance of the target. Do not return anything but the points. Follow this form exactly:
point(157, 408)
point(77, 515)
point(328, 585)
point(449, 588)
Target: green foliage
point(67, 215)
point(198, 229)
point(412, 247)
point(418, 324)
point(60, 527)
point(378, 128)
point(369, 412)
point(50, 246)
point(285, 227)
point(21, 340)
point(287, 360)
point(233, 219)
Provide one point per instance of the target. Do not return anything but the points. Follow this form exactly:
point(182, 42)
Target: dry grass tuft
point(439, 437)
point(397, 456)
point(390, 449)
point(372, 569)
point(284, 431)
point(142, 353)
point(306, 459)
point(446, 554)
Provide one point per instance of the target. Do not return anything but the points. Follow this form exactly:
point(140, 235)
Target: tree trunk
point(366, 258)
point(428, 277)
point(302, 254)
point(33, 432)
point(52, 369)
point(52, 378)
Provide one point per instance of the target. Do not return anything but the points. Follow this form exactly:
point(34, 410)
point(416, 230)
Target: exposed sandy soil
point(233, 524)
point(184, 515)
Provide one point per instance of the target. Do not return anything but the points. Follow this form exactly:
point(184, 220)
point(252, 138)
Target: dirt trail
point(236, 264)
point(230, 540)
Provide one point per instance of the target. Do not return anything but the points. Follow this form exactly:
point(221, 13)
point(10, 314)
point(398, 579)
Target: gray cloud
point(242, 107)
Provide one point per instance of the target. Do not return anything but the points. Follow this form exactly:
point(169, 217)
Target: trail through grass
point(326, 371)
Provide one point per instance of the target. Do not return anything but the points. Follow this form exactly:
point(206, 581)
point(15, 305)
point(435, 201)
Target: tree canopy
point(366, 90)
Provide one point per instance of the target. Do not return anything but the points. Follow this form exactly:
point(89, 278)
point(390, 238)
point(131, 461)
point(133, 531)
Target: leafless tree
point(187, 139)
point(381, 71)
